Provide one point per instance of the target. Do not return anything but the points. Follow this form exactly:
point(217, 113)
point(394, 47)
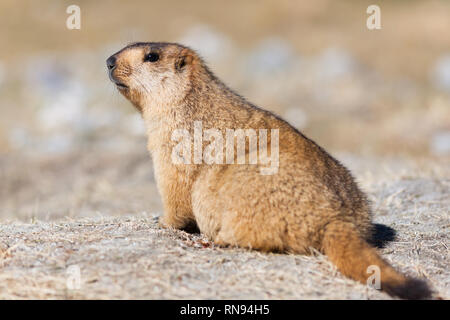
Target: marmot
point(309, 201)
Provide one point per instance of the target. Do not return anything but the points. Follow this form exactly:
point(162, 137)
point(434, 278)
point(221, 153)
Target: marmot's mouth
point(121, 85)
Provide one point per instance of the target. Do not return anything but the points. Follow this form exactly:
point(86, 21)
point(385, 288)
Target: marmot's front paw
point(189, 226)
point(169, 223)
point(163, 224)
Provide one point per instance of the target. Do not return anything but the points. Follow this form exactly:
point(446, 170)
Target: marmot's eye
point(152, 57)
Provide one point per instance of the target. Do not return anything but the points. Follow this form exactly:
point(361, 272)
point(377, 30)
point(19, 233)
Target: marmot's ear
point(184, 59)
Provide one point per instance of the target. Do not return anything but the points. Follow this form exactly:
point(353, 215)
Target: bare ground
point(95, 213)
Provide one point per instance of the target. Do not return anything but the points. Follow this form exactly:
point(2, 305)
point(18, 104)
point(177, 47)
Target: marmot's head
point(152, 72)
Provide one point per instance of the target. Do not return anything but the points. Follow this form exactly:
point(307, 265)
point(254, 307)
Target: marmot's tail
point(352, 255)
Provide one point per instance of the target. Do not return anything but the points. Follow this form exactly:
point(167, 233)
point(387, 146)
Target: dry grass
point(129, 256)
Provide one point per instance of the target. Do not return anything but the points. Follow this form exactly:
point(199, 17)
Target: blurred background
point(71, 145)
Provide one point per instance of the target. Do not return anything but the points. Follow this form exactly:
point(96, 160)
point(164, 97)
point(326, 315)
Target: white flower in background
point(296, 117)
point(334, 63)
point(271, 55)
point(45, 75)
point(66, 109)
point(440, 74)
point(211, 45)
point(440, 143)
point(19, 138)
point(134, 125)
point(22, 139)
point(2, 73)
point(58, 143)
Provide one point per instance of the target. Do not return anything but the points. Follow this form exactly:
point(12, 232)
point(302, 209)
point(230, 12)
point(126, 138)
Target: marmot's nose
point(111, 63)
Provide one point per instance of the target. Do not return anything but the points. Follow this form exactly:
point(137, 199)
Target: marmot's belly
point(238, 206)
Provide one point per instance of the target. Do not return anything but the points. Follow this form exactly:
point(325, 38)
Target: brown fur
point(311, 202)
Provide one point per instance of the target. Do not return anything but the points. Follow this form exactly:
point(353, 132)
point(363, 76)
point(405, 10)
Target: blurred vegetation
point(313, 62)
